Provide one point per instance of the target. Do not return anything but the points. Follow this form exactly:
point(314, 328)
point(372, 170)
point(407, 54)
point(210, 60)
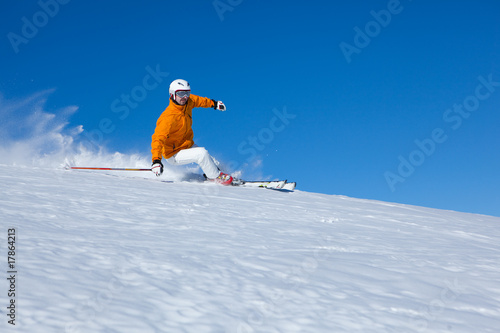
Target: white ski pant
point(198, 155)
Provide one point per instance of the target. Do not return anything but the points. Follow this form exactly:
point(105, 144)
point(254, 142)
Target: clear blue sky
point(391, 100)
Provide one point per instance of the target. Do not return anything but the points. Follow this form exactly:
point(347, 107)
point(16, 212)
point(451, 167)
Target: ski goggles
point(183, 93)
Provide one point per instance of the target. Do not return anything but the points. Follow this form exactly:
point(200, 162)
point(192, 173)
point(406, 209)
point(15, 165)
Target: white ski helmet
point(177, 85)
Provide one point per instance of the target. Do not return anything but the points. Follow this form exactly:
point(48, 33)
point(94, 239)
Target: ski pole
point(112, 169)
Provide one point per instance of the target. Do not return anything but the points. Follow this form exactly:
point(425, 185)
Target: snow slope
point(102, 252)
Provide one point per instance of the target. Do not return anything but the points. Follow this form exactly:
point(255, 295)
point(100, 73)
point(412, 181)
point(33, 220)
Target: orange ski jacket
point(173, 129)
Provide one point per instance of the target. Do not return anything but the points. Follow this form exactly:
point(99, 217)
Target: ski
point(282, 185)
point(289, 186)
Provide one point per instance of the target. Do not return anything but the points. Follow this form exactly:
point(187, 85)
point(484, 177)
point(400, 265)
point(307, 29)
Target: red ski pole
point(112, 169)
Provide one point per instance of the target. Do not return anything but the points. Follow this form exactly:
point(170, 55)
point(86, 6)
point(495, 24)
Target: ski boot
point(223, 179)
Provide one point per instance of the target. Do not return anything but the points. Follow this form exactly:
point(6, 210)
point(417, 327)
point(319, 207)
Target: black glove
point(218, 105)
point(157, 167)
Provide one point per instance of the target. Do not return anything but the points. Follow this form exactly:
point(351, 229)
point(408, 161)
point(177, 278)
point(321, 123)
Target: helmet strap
point(172, 97)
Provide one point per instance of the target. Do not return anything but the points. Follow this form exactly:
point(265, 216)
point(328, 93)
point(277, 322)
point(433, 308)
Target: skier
point(173, 136)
